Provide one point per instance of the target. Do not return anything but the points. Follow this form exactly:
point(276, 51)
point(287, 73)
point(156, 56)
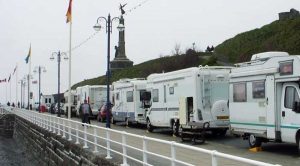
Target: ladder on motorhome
point(206, 91)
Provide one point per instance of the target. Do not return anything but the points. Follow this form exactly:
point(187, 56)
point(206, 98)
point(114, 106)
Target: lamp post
point(38, 69)
point(58, 54)
point(108, 26)
point(22, 82)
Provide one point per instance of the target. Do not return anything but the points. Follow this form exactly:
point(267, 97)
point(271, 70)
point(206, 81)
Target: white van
point(190, 98)
point(130, 101)
point(264, 99)
point(95, 96)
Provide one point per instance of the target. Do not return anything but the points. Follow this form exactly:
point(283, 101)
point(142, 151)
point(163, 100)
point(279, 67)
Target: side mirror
point(296, 107)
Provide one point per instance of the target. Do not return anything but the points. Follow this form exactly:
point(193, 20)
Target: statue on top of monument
point(121, 8)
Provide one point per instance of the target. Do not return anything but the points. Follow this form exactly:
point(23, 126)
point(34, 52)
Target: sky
point(153, 28)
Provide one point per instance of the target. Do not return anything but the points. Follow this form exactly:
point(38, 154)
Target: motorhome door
point(289, 122)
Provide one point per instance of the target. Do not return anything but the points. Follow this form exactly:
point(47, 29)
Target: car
point(56, 108)
point(102, 113)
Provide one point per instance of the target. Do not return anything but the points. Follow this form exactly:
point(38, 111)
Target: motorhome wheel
point(149, 126)
point(175, 128)
point(254, 141)
point(298, 143)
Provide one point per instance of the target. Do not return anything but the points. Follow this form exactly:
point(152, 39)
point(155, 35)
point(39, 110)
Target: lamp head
point(52, 57)
point(121, 27)
point(97, 27)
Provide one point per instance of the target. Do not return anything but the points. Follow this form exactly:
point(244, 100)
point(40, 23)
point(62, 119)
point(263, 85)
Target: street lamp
point(22, 82)
point(27, 78)
point(58, 54)
point(38, 69)
point(108, 26)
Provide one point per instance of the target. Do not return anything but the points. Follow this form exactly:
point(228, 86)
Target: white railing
point(140, 149)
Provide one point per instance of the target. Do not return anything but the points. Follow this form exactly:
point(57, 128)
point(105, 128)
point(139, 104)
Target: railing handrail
point(50, 119)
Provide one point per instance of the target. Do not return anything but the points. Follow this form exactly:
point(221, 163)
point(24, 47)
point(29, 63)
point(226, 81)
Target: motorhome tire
point(149, 126)
point(298, 143)
point(254, 141)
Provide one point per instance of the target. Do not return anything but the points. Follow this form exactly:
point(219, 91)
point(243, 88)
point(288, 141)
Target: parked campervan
point(73, 102)
point(130, 100)
point(190, 98)
point(264, 99)
point(95, 96)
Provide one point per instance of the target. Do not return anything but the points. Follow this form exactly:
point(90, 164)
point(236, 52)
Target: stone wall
point(7, 125)
point(50, 149)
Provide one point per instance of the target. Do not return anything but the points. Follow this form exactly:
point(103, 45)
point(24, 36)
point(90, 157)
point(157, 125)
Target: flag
point(9, 78)
point(4, 80)
point(15, 70)
point(28, 56)
point(69, 12)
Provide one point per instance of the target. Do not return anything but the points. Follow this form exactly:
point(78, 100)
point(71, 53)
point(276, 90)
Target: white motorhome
point(190, 98)
point(130, 100)
point(264, 99)
point(95, 96)
point(73, 103)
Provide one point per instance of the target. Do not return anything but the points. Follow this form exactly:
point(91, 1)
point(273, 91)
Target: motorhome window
point(144, 95)
point(49, 100)
point(171, 90)
point(155, 95)
point(46, 101)
point(129, 96)
point(258, 89)
point(239, 92)
point(291, 95)
point(286, 68)
point(165, 94)
point(117, 96)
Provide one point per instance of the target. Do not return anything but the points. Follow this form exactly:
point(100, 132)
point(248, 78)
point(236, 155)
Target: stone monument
point(121, 61)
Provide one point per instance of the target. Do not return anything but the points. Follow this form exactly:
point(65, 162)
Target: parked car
point(102, 113)
point(61, 108)
point(52, 108)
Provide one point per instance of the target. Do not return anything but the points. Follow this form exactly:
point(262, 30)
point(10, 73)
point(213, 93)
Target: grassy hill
point(280, 35)
point(277, 36)
point(163, 64)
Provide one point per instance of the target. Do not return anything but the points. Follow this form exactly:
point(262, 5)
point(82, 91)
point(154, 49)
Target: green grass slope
point(280, 35)
point(163, 64)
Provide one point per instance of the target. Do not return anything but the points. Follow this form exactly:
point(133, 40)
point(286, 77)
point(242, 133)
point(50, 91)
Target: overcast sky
point(152, 30)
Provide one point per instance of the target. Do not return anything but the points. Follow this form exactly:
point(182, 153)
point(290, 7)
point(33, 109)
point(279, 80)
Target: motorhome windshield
point(145, 96)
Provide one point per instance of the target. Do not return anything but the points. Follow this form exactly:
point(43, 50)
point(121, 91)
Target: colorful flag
point(69, 12)
point(15, 70)
point(28, 56)
point(9, 78)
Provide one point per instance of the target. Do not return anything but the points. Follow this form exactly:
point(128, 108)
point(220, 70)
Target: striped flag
point(69, 12)
point(28, 56)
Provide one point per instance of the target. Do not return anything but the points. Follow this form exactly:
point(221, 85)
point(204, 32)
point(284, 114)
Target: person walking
point(85, 111)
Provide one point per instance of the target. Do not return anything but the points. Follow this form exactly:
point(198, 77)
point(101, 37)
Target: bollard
point(64, 129)
point(214, 161)
point(70, 133)
point(173, 154)
point(145, 150)
point(124, 149)
point(95, 140)
point(108, 144)
point(77, 138)
point(58, 127)
point(85, 143)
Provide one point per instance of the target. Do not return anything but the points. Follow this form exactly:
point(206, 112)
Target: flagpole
point(70, 70)
point(29, 77)
point(6, 92)
point(16, 84)
point(10, 89)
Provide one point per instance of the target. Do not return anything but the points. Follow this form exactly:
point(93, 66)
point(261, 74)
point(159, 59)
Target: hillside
point(283, 35)
point(163, 64)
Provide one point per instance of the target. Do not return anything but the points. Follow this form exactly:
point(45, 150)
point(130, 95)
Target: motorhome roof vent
point(267, 55)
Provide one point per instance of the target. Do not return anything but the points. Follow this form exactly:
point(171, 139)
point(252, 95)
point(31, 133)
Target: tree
point(177, 49)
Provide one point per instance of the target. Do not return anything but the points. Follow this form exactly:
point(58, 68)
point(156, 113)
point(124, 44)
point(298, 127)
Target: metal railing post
point(108, 156)
point(173, 154)
point(50, 124)
point(64, 129)
point(77, 137)
point(53, 125)
point(214, 161)
point(124, 149)
point(85, 137)
point(145, 160)
point(69, 129)
point(95, 140)
point(58, 126)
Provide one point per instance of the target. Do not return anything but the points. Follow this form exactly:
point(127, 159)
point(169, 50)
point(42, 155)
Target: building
point(293, 13)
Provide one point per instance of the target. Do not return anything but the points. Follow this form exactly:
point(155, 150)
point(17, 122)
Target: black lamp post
point(38, 69)
point(58, 54)
point(98, 27)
